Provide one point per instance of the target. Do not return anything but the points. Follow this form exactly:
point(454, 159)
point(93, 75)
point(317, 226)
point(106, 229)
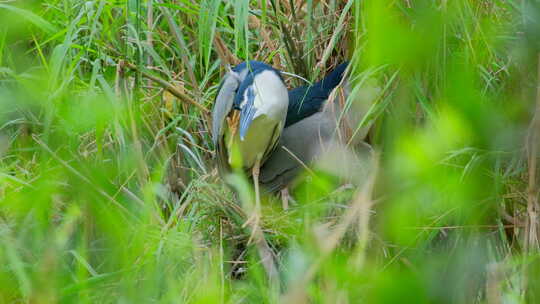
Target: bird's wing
point(223, 104)
point(304, 102)
point(312, 141)
point(299, 145)
point(306, 140)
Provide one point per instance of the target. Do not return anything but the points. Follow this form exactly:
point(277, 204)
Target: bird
point(247, 121)
point(312, 128)
point(249, 116)
point(307, 100)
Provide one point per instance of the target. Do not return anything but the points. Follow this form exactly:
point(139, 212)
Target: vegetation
point(109, 194)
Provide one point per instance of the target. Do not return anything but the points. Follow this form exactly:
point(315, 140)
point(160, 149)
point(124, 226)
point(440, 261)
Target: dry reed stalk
point(150, 28)
point(273, 45)
point(493, 284)
point(531, 240)
point(171, 88)
point(358, 210)
point(223, 51)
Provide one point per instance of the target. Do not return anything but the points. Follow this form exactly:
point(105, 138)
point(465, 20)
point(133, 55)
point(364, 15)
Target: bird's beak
point(246, 114)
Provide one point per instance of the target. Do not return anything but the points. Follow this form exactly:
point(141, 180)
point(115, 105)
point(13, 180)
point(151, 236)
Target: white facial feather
point(271, 97)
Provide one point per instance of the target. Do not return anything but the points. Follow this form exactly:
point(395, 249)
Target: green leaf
point(28, 15)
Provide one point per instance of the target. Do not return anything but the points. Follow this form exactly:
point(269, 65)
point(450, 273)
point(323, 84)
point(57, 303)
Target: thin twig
point(298, 160)
point(169, 87)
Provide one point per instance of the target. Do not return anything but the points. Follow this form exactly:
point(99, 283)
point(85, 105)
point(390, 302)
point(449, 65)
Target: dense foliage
point(108, 191)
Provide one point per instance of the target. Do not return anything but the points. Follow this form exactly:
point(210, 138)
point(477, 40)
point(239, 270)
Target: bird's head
point(262, 91)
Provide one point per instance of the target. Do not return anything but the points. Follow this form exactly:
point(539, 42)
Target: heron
point(311, 128)
point(307, 100)
point(248, 117)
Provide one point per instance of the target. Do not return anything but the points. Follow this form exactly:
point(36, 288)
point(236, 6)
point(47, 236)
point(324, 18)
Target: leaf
point(28, 15)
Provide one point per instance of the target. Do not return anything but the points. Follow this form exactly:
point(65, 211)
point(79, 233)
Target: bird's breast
point(261, 137)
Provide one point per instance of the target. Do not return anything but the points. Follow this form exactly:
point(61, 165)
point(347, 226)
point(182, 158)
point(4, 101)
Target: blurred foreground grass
point(108, 192)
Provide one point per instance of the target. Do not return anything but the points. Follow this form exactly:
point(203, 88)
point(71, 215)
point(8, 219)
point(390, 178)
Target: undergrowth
point(108, 188)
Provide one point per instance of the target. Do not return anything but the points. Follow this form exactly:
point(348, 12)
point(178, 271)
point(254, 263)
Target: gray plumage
point(225, 96)
point(299, 145)
point(319, 136)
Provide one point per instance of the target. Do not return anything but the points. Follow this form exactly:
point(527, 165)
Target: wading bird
point(248, 117)
point(307, 100)
point(311, 128)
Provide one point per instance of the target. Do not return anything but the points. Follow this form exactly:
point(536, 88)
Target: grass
point(108, 190)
